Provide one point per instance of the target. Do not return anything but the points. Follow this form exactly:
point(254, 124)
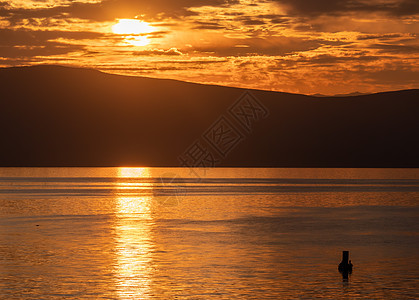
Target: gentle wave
point(210, 180)
point(100, 186)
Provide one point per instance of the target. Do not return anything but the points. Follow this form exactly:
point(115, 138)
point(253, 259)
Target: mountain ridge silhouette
point(62, 116)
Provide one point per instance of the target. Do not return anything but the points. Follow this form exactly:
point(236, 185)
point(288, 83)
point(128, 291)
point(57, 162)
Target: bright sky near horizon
point(300, 46)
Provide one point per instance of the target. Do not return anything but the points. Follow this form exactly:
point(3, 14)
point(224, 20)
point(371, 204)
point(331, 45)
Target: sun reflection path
point(134, 243)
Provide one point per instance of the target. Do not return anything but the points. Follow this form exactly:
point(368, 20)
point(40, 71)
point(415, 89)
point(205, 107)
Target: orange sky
point(300, 46)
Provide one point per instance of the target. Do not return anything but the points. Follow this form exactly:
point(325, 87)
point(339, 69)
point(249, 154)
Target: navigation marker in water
point(345, 266)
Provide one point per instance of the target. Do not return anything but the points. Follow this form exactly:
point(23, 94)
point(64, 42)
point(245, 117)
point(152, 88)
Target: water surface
point(164, 233)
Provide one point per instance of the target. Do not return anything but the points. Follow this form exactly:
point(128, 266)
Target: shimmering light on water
point(133, 237)
point(147, 233)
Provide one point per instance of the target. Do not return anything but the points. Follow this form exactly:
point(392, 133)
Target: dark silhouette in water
point(345, 267)
point(60, 116)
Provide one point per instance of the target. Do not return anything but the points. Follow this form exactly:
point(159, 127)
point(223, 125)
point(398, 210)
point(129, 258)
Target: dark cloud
point(380, 36)
point(29, 52)
point(26, 43)
point(280, 21)
point(200, 62)
point(23, 37)
point(260, 46)
point(342, 7)
point(396, 49)
point(233, 13)
point(326, 59)
point(158, 52)
point(251, 21)
point(208, 25)
point(273, 18)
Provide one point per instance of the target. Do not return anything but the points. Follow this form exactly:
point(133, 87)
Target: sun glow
point(131, 26)
point(134, 31)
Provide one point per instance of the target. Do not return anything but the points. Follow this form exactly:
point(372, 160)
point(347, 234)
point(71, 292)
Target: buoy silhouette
point(345, 266)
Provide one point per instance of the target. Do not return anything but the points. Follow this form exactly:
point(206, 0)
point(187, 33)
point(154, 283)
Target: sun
point(131, 26)
point(134, 31)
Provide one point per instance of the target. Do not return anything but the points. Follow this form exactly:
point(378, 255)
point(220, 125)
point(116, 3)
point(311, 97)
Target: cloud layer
point(287, 45)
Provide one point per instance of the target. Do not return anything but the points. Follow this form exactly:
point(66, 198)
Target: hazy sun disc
point(134, 31)
point(131, 26)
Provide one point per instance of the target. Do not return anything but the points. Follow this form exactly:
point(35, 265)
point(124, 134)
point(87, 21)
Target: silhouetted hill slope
point(58, 116)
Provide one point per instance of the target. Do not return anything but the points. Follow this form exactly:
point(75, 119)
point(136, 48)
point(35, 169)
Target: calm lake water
point(159, 233)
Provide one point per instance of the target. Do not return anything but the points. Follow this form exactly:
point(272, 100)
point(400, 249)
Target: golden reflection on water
point(133, 237)
point(63, 237)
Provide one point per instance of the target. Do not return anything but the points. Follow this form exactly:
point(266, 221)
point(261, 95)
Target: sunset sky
point(299, 46)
